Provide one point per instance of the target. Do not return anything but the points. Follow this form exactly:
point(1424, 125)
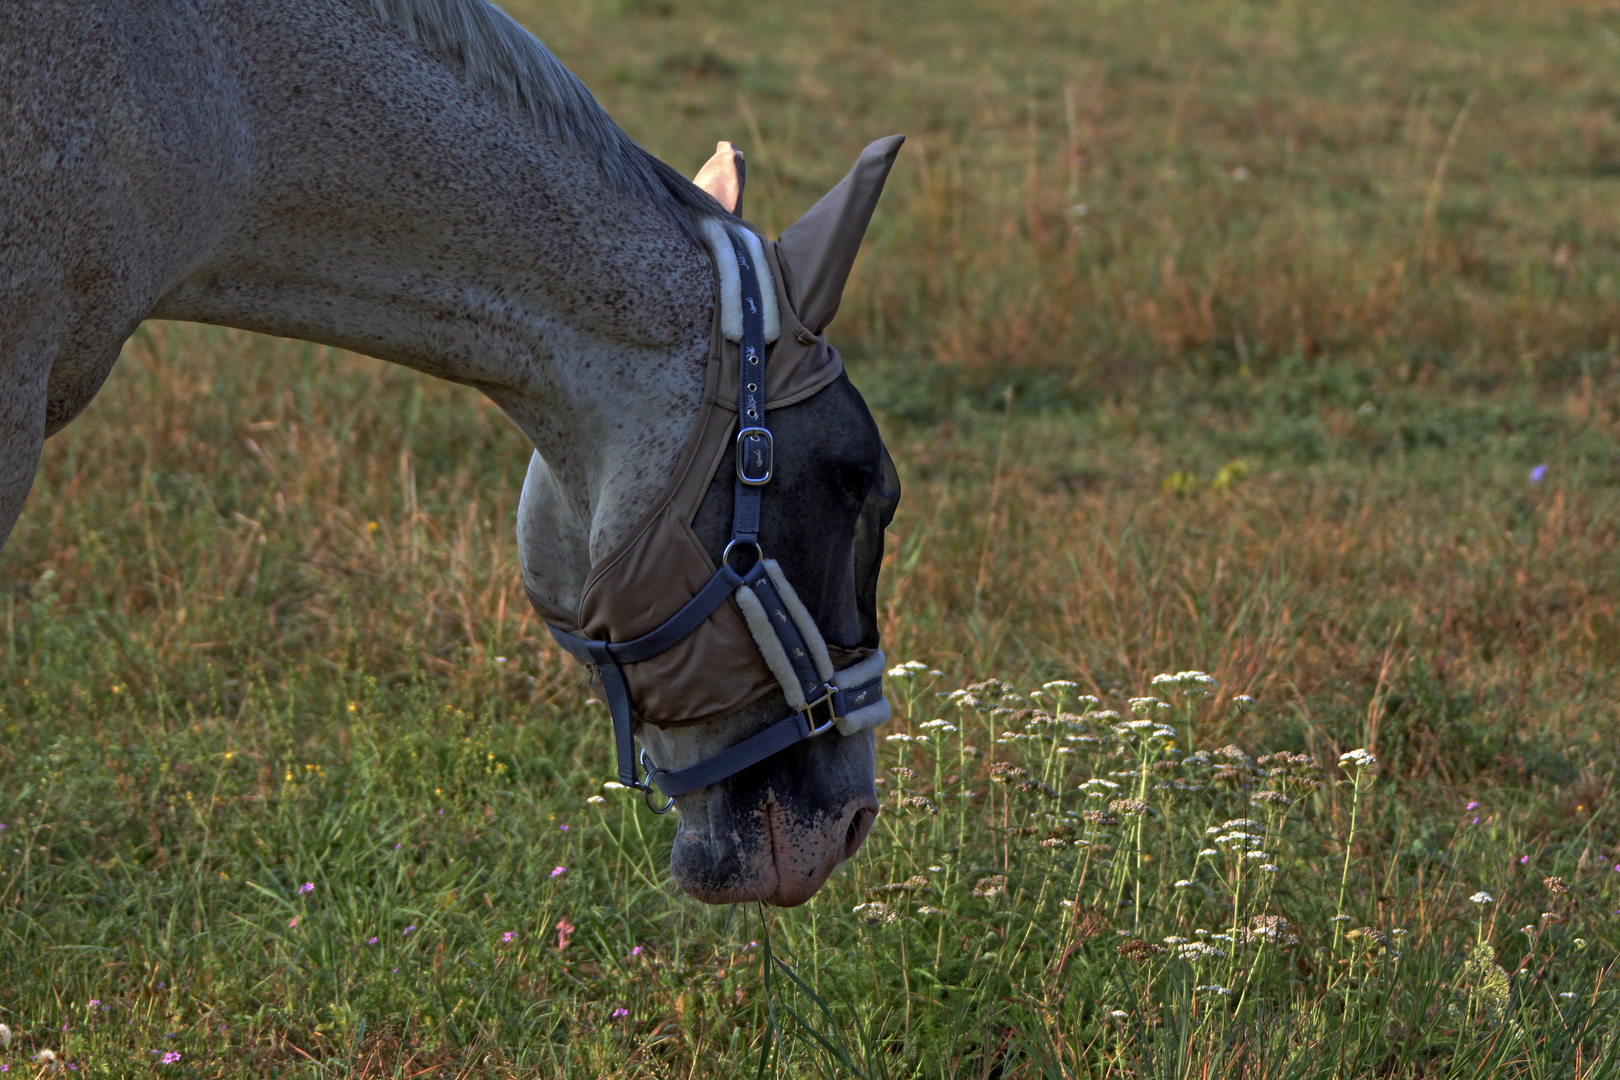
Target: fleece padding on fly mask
point(722, 666)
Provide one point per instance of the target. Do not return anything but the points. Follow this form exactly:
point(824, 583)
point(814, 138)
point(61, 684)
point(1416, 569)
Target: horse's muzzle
point(776, 832)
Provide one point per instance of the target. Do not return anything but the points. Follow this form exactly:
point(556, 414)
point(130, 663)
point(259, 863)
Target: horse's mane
point(502, 57)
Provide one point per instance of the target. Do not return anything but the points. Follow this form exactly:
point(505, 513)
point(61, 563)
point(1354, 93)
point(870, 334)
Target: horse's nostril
point(859, 826)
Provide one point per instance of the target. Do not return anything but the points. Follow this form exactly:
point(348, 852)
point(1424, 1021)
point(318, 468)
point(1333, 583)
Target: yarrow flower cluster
point(1187, 681)
point(911, 669)
point(876, 914)
point(1359, 759)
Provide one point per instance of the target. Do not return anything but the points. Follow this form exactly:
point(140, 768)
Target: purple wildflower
point(372, 941)
point(1538, 474)
point(406, 932)
point(559, 871)
point(1472, 805)
point(508, 936)
point(620, 1012)
point(636, 951)
point(1523, 859)
point(171, 1057)
point(308, 886)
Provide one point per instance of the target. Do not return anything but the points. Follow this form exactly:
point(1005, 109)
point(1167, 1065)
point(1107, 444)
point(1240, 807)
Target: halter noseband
point(779, 620)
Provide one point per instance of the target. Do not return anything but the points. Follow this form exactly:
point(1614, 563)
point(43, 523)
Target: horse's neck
point(381, 204)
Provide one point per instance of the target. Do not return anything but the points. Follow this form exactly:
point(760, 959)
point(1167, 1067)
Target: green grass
point(263, 625)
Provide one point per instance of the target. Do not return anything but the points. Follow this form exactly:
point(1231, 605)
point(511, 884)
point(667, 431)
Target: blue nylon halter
point(825, 702)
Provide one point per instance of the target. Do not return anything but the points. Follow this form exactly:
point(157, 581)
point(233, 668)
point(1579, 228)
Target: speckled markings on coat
point(345, 172)
point(421, 181)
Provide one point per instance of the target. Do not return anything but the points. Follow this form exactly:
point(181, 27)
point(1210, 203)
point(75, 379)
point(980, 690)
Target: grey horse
point(421, 181)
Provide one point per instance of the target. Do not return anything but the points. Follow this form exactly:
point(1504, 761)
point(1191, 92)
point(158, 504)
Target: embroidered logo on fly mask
point(705, 658)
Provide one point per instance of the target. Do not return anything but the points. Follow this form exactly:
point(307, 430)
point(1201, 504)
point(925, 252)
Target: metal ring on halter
point(647, 788)
point(725, 556)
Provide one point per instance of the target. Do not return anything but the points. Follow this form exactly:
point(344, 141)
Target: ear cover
point(818, 251)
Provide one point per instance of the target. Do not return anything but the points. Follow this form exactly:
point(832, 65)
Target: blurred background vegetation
point(1272, 339)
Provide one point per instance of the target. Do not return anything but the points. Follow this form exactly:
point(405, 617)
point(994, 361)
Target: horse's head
point(771, 824)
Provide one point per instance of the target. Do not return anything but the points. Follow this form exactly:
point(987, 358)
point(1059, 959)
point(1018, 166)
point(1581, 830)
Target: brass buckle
point(820, 726)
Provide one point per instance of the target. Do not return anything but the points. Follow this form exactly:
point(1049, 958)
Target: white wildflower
point(1197, 950)
point(1568, 995)
point(1359, 758)
point(596, 800)
point(1207, 852)
point(1184, 883)
point(1221, 990)
point(1118, 1014)
point(1060, 684)
point(1341, 918)
point(941, 725)
point(1269, 868)
point(614, 785)
point(1482, 898)
point(1255, 855)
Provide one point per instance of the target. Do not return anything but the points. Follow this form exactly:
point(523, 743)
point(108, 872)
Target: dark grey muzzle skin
point(776, 830)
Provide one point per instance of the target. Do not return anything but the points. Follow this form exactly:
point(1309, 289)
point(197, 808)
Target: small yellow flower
point(351, 706)
point(371, 526)
point(229, 754)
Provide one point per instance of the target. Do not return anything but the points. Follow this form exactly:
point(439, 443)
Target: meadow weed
point(1252, 374)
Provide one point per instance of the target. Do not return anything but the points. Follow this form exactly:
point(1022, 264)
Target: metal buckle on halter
point(828, 698)
point(763, 474)
point(646, 788)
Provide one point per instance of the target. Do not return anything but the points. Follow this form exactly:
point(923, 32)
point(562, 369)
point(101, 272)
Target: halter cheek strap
point(822, 699)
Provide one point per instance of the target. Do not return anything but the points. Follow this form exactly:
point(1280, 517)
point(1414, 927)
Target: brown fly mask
point(735, 629)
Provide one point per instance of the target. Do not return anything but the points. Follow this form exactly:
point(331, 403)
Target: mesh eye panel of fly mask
point(675, 639)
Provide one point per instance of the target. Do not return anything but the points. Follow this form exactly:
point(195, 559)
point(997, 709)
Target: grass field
point(1275, 341)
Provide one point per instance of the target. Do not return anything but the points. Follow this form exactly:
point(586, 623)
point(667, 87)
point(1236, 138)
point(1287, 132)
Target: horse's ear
point(818, 251)
point(722, 176)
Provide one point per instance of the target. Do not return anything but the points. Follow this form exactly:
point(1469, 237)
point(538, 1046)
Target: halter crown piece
point(822, 698)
